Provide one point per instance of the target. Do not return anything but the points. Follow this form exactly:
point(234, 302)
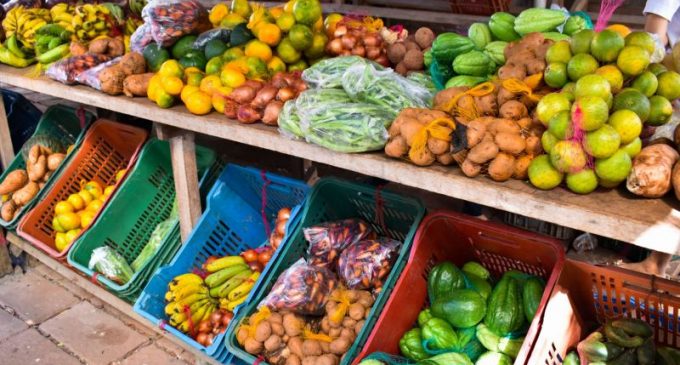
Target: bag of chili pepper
point(366, 264)
point(166, 21)
point(328, 240)
point(302, 289)
point(68, 69)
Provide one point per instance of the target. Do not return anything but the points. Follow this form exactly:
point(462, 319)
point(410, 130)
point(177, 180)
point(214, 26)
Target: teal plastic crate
point(389, 214)
point(63, 124)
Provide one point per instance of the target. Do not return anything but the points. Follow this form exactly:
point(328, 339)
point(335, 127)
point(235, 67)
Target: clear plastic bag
point(289, 121)
point(302, 289)
point(109, 263)
point(90, 77)
point(366, 264)
point(67, 70)
point(328, 240)
point(328, 73)
point(168, 20)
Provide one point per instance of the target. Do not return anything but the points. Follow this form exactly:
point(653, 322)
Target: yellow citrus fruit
point(63, 207)
point(285, 21)
point(232, 20)
point(238, 64)
point(95, 205)
point(164, 100)
point(210, 83)
point(172, 85)
point(76, 201)
point(219, 98)
point(217, 13)
point(56, 225)
point(109, 190)
point(192, 70)
point(287, 52)
point(120, 174)
point(288, 8)
point(86, 195)
point(154, 87)
point(199, 103)
point(318, 26)
point(620, 28)
point(72, 234)
point(188, 90)
point(60, 241)
point(232, 54)
point(194, 79)
point(276, 65)
point(69, 221)
point(86, 218)
point(259, 49)
point(232, 77)
point(276, 12)
point(171, 68)
point(93, 188)
point(269, 34)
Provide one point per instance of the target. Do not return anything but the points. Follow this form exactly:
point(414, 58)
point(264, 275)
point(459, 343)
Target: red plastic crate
point(454, 237)
point(586, 295)
point(478, 7)
point(107, 147)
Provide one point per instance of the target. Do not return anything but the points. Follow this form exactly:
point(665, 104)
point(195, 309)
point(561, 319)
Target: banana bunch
point(136, 6)
point(189, 302)
point(131, 24)
point(24, 23)
point(62, 14)
point(90, 21)
point(52, 43)
point(230, 280)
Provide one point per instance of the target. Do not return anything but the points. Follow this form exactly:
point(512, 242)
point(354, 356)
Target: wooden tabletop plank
point(650, 223)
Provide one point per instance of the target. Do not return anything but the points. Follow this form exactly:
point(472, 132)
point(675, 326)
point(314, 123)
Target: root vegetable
point(356, 312)
point(271, 113)
point(483, 152)
point(475, 132)
point(359, 51)
point(242, 335)
point(277, 328)
point(132, 63)
point(513, 109)
point(413, 60)
point(295, 346)
point(504, 126)
point(365, 299)
point(486, 105)
point(335, 332)
point(535, 66)
point(252, 346)
point(14, 181)
point(522, 166)
point(112, 80)
point(422, 157)
point(652, 170)
point(534, 146)
point(54, 160)
point(396, 52)
point(325, 347)
point(445, 159)
point(348, 333)
point(409, 130)
point(33, 154)
point(470, 169)
point(284, 94)
point(511, 71)
point(438, 146)
point(293, 360)
point(230, 108)
point(37, 170)
point(675, 180)
point(243, 94)
point(77, 48)
point(310, 360)
point(247, 114)
point(340, 346)
point(424, 37)
point(136, 85)
point(264, 96)
point(24, 195)
point(504, 95)
point(7, 211)
point(273, 343)
point(263, 331)
point(442, 98)
point(511, 143)
point(502, 167)
point(311, 348)
point(359, 326)
point(525, 123)
point(292, 324)
point(372, 52)
point(348, 322)
point(401, 69)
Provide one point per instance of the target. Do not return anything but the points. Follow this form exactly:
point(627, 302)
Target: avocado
point(214, 48)
point(183, 46)
point(155, 55)
point(193, 58)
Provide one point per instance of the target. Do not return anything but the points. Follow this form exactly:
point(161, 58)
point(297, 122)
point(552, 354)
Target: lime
point(627, 124)
point(550, 105)
point(592, 85)
point(656, 68)
point(633, 148)
point(318, 46)
point(307, 12)
point(603, 142)
point(606, 45)
point(548, 141)
point(580, 65)
point(232, 54)
point(614, 168)
point(641, 39)
point(558, 52)
point(542, 174)
point(580, 41)
point(632, 99)
point(301, 37)
point(569, 95)
point(214, 65)
point(568, 156)
point(582, 182)
point(646, 82)
point(593, 113)
point(669, 85)
point(609, 184)
point(285, 21)
point(560, 125)
point(660, 110)
point(613, 75)
point(633, 60)
point(300, 65)
point(569, 87)
point(555, 75)
point(286, 52)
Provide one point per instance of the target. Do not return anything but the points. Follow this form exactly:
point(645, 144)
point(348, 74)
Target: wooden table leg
point(6, 149)
point(183, 154)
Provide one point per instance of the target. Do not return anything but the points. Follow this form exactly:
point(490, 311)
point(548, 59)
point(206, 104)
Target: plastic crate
point(23, 117)
point(458, 238)
point(534, 225)
point(231, 224)
point(62, 123)
point(332, 199)
point(586, 295)
point(143, 200)
point(478, 7)
point(106, 148)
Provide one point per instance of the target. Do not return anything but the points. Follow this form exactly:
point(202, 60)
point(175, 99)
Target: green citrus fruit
point(660, 110)
point(627, 124)
point(633, 148)
point(285, 21)
point(214, 66)
point(613, 75)
point(558, 52)
point(632, 99)
point(592, 85)
point(542, 174)
point(582, 182)
point(287, 52)
point(555, 74)
point(301, 37)
point(580, 65)
point(550, 105)
point(593, 111)
point(632, 60)
point(669, 85)
point(560, 125)
point(307, 12)
point(646, 82)
point(580, 41)
point(569, 87)
point(606, 45)
point(318, 46)
point(548, 141)
point(603, 142)
point(568, 156)
point(656, 68)
point(642, 40)
point(614, 168)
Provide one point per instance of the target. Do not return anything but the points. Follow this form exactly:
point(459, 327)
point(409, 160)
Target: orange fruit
point(642, 40)
point(318, 26)
point(619, 28)
point(276, 12)
point(232, 78)
point(171, 68)
point(542, 174)
point(259, 49)
point(76, 201)
point(239, 64)
point(568, 156)
point(287, 52)
point(199, 103)
point(669, 85)
point(210, 83)
point(164, 100)
point(172, 85)
point(154, 87)
point(307, 11)
point(194, 78)
point(120, 174)
point(301, 37)
point(60, 242)
point(633, 60)
point(95, 206)
point(188, 90)
point(288, 8)
point(86, 195)
point(270, 34)
point(217, 13)
point(580, 65)
point(232, 53)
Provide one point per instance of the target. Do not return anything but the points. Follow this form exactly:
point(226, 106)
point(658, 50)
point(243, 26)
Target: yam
point(132, 63)
point(136, 85)
point(311, 348)
point(483, 152)
point(14, 181)
point(652, 172)
point(522, 166)
point(37, 170)
point(34, 153)
point(534, 146)
point(513, 109)
point(504, 126)
point(54, 160)
point(445, 159)
point(396, 147)
point(438, 146)
point(7, 211)
point(409, 130)
point(510, 143)
point(512, 71)
point(502, 167)
point(111, 80)
point(470, 169)
point(423, 157)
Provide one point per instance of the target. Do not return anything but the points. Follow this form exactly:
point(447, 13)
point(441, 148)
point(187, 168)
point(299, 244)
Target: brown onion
point(372, 52)
point(256, 85)
point(249, 255)
point(264, 257)
point(371, 40)
point(230, 108)
point(340, 30)
point(346, 52)
point(243, 94)
point(215, 318)
point(204, 326)
point(247, 114)
point(209, 339)
point(255, 266)
point(348, 41)
point(280, 228)
point(264, 96)
point(291, 78)
point(271, 113)
point(276, 242)
point(335, 46)
point(285, 94)
point(202, 338)
point(278, 81)
point(226, 318)
point(359, 51)
point(283, 214)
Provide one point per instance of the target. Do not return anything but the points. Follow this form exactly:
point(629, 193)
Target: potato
point(395, 127)
point(352, 295)
point(396, 147)
point(132, 63)
point(348, 322)
point(356, 312)
point(273, 343)
point(295, 346)
point(7, 211)
point(310, 360)
point(327, 359)
point(275, 318)
point(24, 195)
point(348, 333)
point(37, 170)
point(522, 166)
point(137, 85)
point(438, 146)
point(486, 105)
point(409, 130)
point(277, 328)
point(292, 324)
point(502, 167)
point(359, 326)
point(423, 157)
point(675, 180)
point(252, 346)
point(54, 160)
point(365, 298)
point(241, 335)
point(293, 360)
point(14, 181)
point(470, 169)
point(513, 109)
point(263, 331)
point(512, 71)
point(441, 99)
point(505, 95)
point(511, 143)
point(483, 152)
point(652, 171)
point(311, 348)
point(445, 159)
point(504, 126)
point(340, 346)
point(525, 123)
point(325, 347)
point(534, 146)
point(335, 332)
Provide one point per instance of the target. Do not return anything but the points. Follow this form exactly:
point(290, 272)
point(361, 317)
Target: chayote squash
point(447, 46)
point(464, 80)
point(494, 358)
point(424, 316)
point(538, 20)
point(473, 63)
point(505, 313)
point(439, 335)
point(462, 308)
point(496, 51)
point(574, 24)
point(411, 345)
point(502, 26)
point(481, 286)
point(474, 267)
point(443, 279)
point(480, 34)
point(532, 292)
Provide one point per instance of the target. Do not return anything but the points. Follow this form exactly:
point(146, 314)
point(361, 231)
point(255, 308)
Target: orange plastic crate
point(107, 148)
point(585, 296)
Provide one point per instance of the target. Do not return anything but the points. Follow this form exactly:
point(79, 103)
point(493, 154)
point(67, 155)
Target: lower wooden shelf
point(102, 294)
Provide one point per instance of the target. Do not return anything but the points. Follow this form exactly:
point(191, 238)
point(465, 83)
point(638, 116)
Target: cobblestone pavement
point(47, 320)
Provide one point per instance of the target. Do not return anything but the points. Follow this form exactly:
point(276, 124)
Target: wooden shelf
point(101, 294)
point(653, 224)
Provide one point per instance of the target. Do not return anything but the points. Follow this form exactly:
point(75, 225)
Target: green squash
point(505, 312)
point(447, 46)
point(443, 279)
point(462, 308)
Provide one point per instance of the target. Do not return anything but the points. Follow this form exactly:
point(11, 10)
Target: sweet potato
point(37, 170)
point(77, 48)
point(132, 63)
point(502, 167)
point(24, 195)
point(112, 80)
point(510, 143)
point(470, 169)
point(522, 166)
point(512, 71)
point(7, 211)
point(513, 109)
point(445, 159)
point(483, 152)
point(14, 181)
point(34, 153)
point(675, 180)
point(54, 160)
point(438, 146)
point(652, 170)
point(136, 85)
point(396, 147)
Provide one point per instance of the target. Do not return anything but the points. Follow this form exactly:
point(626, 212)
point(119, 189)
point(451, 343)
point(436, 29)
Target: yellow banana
point(89, 8)
point(235, 303)
point(184, 326)
point(197, 316)
point(244, 288)
point(184, 279)
point(191, 299)
point(63, 17)
point(209, 311)
point(224, 262)
point(190, 289)
point(169, 296)
point(178, 317)
point(171, 308)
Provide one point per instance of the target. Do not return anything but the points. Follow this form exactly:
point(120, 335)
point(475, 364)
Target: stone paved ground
point(46, 320)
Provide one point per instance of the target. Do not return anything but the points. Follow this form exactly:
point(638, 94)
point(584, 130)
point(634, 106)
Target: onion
point(291, 78)
point(335, 46)
point(346, 52)
point(278, 81)
point(382, 59)
point(280, 228)
point(348, 41)
point(202, 338)
point(249, 255)
point(243, 94)
point(255, 266)
point(285, 94)
point(264, 257)
point(340, 30)
point(257, 85)
point(216, 318)
point(371, 40)
point(271, 112)
point(264, 96)
point(247, 114)
point(209, 339)
point(204, 326)
point(230, 108)
point(226, 318)
point(300, 86)
point(283, 214)
point(372, 52)
point(276, 242)
point(359, 51)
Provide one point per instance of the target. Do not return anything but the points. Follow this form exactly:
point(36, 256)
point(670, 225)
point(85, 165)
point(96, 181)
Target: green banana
point(54, 30)
point(219, 277)
point(9, 58)
point(14, 47)
point(232, 283)
point(54, 43)
point(54, 54)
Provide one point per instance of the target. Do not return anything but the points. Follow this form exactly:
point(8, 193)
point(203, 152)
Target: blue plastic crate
point(231, 224)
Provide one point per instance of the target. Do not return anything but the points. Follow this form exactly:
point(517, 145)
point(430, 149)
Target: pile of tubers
point(288, 339)
point(406, 126)
point(22, 185)
point(656, 169)
point(256, 100)
point(525, 57)
point(408, 55)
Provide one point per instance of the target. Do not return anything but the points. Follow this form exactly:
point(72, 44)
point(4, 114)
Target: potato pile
point(288, 339)
point(408, 55)
point(21, 186)
point(525, 57)
point(467, 107)
point(403, 131)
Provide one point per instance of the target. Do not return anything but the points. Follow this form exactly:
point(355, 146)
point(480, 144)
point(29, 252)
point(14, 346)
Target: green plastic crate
point(333, 199)
point(62, 123)
point(143, 201)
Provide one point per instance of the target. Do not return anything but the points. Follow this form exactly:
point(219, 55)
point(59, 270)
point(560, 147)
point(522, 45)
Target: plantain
point(218, 278)
point(245, 287)
point(224, 262)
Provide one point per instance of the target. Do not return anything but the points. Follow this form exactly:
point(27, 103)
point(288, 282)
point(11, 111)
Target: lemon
point(72, 235)
point(69, 221)
point(172, 85)
point(120, 174)
point(154, 87)
point(164, 100)
point(109, 190)
point(60, 242)
point(76, 201)
point(199, 103)
point(259, 49)
point(56, 225)
point(217, 13)
point(95, 205)
point(285, 21)
point(171, 68)
point(188, 90)
point(232, 77)
point(63, 207)
point(276, 65)
point(232, 20)
point(86, 218)
point(87, 197)
point(94, 188)
point(209, 84)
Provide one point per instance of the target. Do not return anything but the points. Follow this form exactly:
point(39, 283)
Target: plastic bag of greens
point(385, 88)
point(158, 236)
point(345, 127)
point(424, 80)
point(289, 121)
point(110, 264)
point(328, 73)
